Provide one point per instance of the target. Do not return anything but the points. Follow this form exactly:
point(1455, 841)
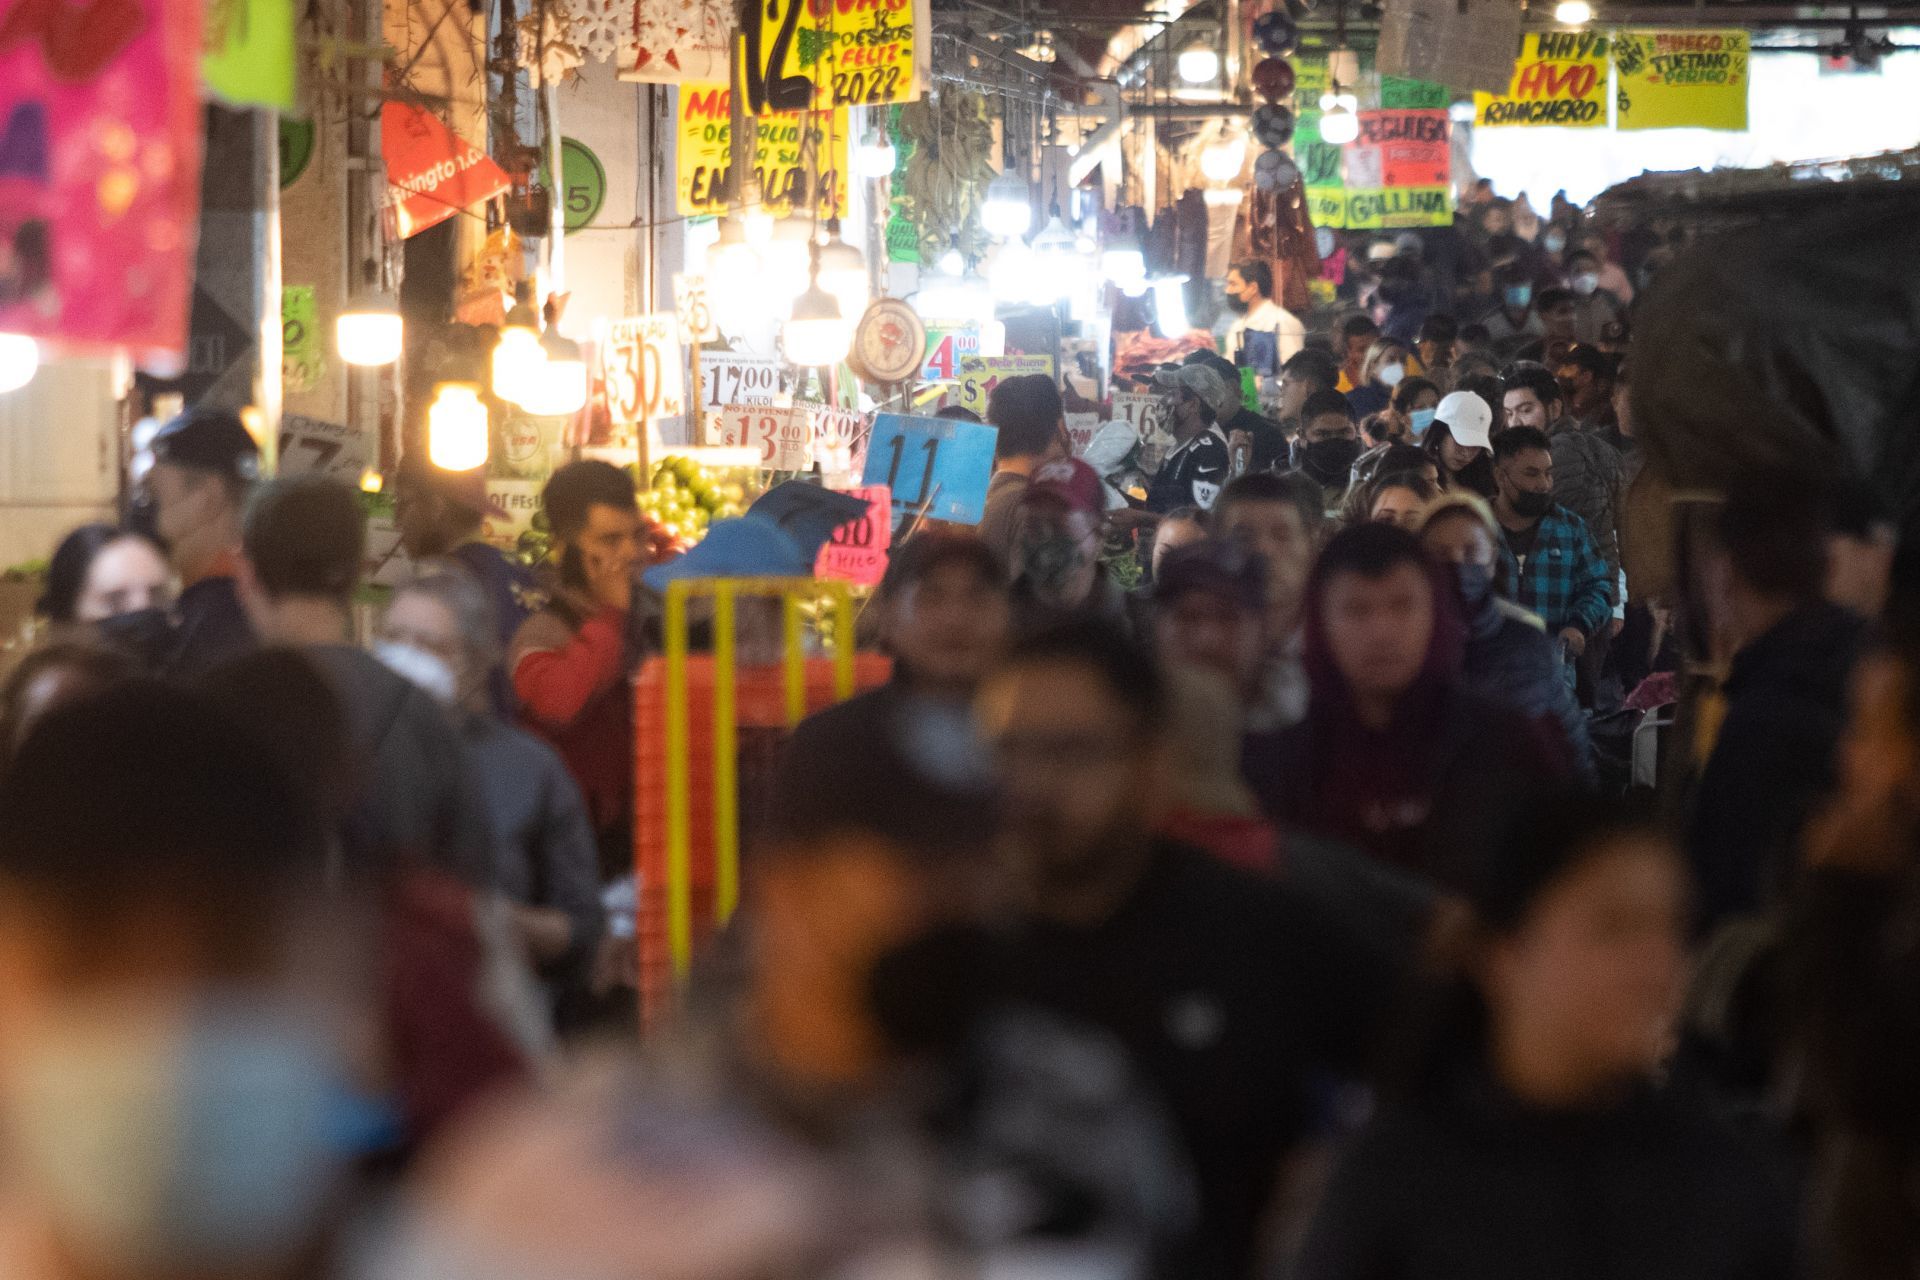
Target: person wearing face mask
point(1056, 550)
point(439, 632)
point(1328, 445)
point(1515, 321)
point(1249, 287)
point(205, 464)
point(1278, 519)
point(1533, 1130)
point(1508, 656)
point(1548, 555)
point(1384, 369)
point(178, 1094)
point(417, 800)
point(1594, 307)
point(1585, 374)
point(1396, 757)
point(113, 586)
point(1197, 466)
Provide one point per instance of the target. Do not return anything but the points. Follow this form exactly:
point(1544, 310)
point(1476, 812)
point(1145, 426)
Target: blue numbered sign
point(937, 463)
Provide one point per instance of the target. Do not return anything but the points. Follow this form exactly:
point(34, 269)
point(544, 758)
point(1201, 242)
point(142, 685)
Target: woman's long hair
point(1478, 474)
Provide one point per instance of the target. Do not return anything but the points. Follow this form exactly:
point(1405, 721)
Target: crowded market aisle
point(1246, 747)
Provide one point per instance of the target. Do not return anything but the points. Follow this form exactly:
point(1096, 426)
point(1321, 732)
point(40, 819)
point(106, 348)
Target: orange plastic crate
point(760, 704)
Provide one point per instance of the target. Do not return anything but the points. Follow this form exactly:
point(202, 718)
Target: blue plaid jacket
point(1564, 579)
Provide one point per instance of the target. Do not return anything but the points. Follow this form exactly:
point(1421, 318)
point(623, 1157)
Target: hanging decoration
point(676, 41)
point(787, 148)
point(802, 53)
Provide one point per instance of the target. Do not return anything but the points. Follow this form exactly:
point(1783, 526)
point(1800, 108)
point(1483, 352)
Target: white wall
point(59, 456)
point(1794, 113)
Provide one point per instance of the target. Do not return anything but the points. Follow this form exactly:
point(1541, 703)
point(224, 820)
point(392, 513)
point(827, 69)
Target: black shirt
point(1192, 474)
point(1475, 1184)
point(212, 629)
point(1234, 997)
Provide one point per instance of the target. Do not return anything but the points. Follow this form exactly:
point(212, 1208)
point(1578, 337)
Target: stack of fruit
point(685, 497)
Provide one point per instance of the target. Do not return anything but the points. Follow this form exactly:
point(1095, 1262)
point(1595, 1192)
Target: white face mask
point(420, 667)
point(1586, 284)
point(1391, 374)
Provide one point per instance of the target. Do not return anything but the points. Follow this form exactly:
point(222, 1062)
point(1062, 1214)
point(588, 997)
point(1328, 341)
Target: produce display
point(684, 496)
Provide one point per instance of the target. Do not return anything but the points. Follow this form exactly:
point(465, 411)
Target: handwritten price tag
point(840, 439)
point(1144, 412)
point(1080, 429)
point(858, 551)
point(691, 310)
point(640, 361)
point(312, 446)
point(784, 437)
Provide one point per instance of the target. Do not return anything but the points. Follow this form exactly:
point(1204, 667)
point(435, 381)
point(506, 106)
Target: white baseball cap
point(1467, 419)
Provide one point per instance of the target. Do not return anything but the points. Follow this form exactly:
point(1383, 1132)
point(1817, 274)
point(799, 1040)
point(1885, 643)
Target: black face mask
point(146, 634)
point(1327, 461)
point(1531, 505)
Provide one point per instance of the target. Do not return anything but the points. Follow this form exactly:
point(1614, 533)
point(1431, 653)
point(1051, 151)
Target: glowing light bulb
point(518, 360)
point(1223, 160)
point(817, 335)
point(1339, 125)
point(457, 427)
point(19, 360)
point(1008, 208)
point(1573, 13)
point(1198, 65)
point(1170, 306)
point(875, 157)
point(369, 334)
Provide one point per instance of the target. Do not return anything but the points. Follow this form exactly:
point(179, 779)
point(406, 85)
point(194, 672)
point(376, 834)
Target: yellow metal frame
point(794, 593)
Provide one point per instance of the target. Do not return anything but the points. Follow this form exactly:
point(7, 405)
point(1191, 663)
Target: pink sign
point(858, 551)
point(99, 169)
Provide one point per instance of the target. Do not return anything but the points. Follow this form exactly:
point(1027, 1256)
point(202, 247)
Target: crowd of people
point(1240, 874)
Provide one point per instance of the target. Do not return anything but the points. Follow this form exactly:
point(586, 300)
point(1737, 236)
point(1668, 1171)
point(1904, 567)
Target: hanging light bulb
point(369, 332)
point(875, 157)
point(1124, 264)
point(1010, 274)
point(843, 272)
point(1008, 208)
point(1199, 64)
point(19, 361)
point(973, 299)
point(817, 335)
point(1170, 306)
point(1573, 13)
point(1058, 265)
point(1338, 123)
point(457, 427)
point(518, 361)
point(755, 218)
point(1222, 161)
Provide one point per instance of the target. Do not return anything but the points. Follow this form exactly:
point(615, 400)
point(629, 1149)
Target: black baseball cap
point(209, 440)
point(1215, 567)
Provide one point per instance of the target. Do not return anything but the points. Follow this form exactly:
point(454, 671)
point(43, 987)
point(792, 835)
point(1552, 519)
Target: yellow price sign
point(979, 375)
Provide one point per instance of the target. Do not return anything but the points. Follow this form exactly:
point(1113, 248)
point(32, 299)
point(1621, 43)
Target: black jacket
point(1269, 440)
point(1475, 1184)
point(1773, 760)
point(1512, 662)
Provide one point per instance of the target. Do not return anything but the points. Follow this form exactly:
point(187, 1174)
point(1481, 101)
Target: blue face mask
point(194, 1141)
point(1418, 421)
point(1519, 295)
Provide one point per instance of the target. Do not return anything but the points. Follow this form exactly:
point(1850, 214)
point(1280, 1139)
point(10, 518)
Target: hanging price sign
point(1144, 412)
point(1080, 429)
point(979, 375)
point(640, 360)
point(946, 348)
point(840, 439)
point(784, 437)
point(858, 550)
point(691, 310)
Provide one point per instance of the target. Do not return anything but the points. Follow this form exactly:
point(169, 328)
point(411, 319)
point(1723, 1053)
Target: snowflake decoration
point(688, 36)
point(561, 45)
point(604, 29)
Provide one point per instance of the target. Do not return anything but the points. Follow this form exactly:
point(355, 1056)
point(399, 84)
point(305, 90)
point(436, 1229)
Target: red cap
point(1071, 482)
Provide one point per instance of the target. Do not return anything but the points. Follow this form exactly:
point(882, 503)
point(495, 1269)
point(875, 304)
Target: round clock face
point(890, 342)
